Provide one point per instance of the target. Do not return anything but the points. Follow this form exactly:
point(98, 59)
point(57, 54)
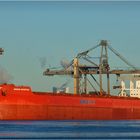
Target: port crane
point(79, 70)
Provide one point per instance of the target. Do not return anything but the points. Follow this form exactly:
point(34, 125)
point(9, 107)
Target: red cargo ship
point(21, 103)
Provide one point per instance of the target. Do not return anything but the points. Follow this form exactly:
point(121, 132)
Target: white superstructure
point(133, 84)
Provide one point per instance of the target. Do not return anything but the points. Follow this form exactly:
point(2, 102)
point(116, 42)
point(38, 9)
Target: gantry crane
point(78, 70)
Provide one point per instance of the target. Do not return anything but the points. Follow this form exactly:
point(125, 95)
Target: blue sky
point(59, 30)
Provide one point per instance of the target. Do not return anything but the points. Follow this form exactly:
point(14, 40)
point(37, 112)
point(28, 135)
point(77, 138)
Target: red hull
point(20, 103)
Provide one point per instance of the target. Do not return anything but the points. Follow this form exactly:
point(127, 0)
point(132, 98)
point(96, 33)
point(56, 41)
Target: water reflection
point(70, 129)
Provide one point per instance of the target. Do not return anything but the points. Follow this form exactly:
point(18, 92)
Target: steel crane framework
point(81, 70)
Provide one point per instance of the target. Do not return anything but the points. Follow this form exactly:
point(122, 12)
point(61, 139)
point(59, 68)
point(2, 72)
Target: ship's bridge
point(134, 86)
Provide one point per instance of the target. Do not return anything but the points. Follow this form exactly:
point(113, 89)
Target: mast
point(76, 76)
point(100, 72)
point(104, 66)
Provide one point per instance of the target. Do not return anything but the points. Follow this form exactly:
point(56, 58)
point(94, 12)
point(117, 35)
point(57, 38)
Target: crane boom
point(121, 57)
point(84, 53)
point(71, 72)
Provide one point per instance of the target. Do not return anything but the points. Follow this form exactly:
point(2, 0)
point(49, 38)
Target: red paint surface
point(20, 103)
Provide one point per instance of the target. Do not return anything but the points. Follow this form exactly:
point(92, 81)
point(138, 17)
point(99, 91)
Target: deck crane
point(79, 70)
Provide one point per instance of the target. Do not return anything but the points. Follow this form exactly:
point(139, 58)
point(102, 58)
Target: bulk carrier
point(21, 103)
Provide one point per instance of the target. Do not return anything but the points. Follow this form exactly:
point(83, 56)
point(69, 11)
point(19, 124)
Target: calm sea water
point(69, 129)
